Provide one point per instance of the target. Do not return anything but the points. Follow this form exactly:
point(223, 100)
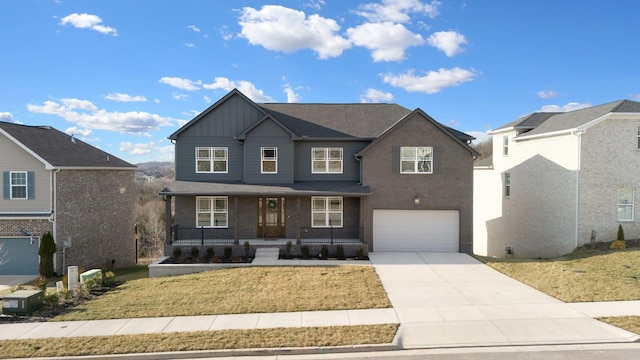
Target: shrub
point(340, 252)
point(617, 245)
point(177, 252)
point(247, 249)
point(360, 253)
point(305, 251)
point(210, 252)
point(41, 283)
point(195, 252)
point(324, 252)
point(108, 278)
point(228, 252)
point(46, 251)
point(287, 249)
point(620, 233)
point(51, 300)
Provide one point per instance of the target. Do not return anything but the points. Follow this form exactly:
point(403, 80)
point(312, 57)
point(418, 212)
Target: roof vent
point(73, 139)
point(107, 159)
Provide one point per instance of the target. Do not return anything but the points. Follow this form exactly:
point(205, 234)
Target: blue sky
point(123, 75)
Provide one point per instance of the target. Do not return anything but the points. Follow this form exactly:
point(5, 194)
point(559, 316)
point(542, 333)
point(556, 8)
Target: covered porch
point(210, 214)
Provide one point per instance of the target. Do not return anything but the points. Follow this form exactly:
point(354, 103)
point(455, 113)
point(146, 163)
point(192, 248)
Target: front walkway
point(440, 300)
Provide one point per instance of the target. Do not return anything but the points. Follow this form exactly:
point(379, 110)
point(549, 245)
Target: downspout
point(578, 165)
point(52, 217)
point(360, 162)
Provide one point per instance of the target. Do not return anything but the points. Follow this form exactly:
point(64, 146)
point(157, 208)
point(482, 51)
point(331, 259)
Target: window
point(638, 136)
point(211, 211)
point(416, 160)
point(326, 160)
point(507, 184)
point(211, 159)
point(18, 185)
point(269, 160)
point(326, 211)
point(625, 204)
point(505, 145)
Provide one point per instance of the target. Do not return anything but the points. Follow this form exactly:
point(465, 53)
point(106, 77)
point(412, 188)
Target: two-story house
point(556, 179)
point(378, 175)
point(52, 182)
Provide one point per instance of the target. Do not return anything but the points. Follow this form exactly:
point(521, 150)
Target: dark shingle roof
point(298, 188)
point(336, 120)
point(60, 149)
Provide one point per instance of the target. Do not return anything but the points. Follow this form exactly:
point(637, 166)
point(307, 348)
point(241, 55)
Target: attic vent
point(107, 159)
point(73, 139)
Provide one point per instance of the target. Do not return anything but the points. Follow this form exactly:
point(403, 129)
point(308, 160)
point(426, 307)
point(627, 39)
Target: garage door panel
point(416, 230)
point(18, 256)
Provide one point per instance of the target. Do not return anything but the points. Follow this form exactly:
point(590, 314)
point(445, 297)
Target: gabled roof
point(426, 116)
point(59, 150)
point(543, 123)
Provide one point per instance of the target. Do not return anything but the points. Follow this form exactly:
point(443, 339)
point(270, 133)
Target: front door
point(271, 217)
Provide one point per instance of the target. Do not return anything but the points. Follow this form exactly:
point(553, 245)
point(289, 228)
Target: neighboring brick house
point(81, 194)
point(377, 175)
point(556, 177)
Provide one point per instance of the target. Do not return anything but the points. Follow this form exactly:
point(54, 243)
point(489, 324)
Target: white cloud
point(6, 117)
point(387, 41)
point(315, 4)
point(138, 149)
point(184, 84)
point(278, 28)
point(373, 95)
point(88, 116)
point(179, 96)
point(432, 82)
point(88, 21)
point(207, 99)
point(245, 87)
point(292, 96)
point(77, 131)
point(398, 10)
point(564, 108)
point(191, 113)
point(547, 94)
point(194, 28)
point(479, 135)
point(157, 101)
point(450, 42)
point(189, 45)
point(635, 97)
point(120, 97)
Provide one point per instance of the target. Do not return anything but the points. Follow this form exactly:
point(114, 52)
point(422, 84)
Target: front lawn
point(583, 276)
point(239, 291)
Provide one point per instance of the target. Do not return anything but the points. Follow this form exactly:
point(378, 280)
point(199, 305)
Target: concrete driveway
point(9, 281)
point(451, 299)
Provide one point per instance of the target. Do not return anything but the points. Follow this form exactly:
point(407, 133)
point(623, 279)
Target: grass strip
point(629, 323)
point(240, 291)
point(200, 340)
point(583, 276)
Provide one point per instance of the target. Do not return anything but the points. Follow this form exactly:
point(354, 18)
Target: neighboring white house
point(556, 177)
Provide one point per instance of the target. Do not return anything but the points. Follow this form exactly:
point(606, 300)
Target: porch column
point(236, 232)
point(167, 219)
point(298, 242)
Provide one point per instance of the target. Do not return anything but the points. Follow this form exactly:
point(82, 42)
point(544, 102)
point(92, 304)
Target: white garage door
point(416, 230)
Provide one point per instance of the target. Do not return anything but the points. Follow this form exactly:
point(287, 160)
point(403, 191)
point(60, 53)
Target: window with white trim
point(638, 128)
point(326, 160)
point(625, 204)
point(212, 159)
point(326, 211)
point(212, 211)
point(19, 185)
point(269, 160)
point(507, 184)
point(416, 160)
point(505, 145)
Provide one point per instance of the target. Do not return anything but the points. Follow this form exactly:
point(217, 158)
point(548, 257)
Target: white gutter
point(548, 134)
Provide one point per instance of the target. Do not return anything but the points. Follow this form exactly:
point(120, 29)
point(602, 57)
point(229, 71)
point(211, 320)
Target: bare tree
point(150, 218)
point(485, 148)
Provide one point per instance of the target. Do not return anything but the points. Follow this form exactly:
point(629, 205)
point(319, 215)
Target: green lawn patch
point(239, 291)
point(583, 276)
point(200, 340)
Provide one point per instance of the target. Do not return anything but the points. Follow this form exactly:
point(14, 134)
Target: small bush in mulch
point(606, 245)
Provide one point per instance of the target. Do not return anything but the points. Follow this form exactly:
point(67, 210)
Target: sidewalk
point(439, 300)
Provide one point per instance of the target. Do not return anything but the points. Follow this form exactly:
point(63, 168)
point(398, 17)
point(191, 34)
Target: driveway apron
point(451, 299)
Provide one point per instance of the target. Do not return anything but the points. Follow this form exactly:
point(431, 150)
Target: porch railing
point(330, 235)
point(201, 235)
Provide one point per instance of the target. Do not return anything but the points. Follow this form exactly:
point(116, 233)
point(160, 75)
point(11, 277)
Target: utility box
point(22, 302)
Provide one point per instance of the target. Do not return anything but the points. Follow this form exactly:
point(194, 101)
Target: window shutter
point(6, 185)
point(31, 185)
point(437, 160)
point(395, 160)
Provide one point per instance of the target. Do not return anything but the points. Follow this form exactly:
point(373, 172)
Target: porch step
point(266, 256)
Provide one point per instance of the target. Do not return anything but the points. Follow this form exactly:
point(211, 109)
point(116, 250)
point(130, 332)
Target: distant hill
point(156, 169)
